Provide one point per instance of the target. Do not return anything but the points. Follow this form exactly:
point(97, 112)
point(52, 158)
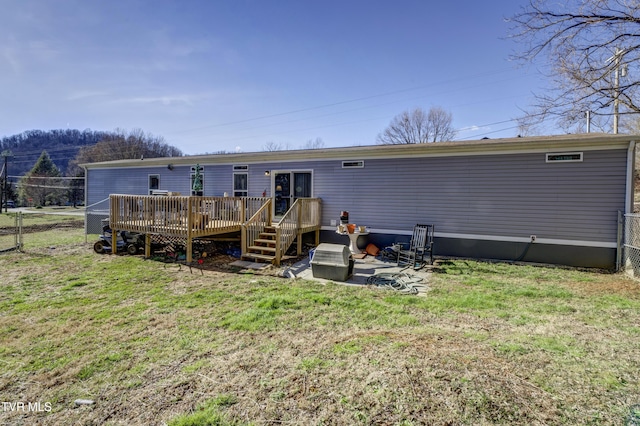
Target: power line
point(43, 186)
point(49, 177)
point(332, 104)
point(489, 133)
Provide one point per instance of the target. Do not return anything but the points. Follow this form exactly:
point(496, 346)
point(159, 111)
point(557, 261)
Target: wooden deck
point(192, 217)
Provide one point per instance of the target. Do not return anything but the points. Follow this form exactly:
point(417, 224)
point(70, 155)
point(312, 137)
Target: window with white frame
point(154, 183)
point(240, 180)
point(240, 184)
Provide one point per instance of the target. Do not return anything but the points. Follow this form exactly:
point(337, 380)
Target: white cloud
point(76, 96)
point(10, 58)
point(473, 128)
point(164, 100)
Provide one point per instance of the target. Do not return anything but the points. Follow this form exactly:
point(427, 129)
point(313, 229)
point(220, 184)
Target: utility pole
point(5, 188)
point(1, 189)
point(588, 121)
point(616, 94)
point(617, 73)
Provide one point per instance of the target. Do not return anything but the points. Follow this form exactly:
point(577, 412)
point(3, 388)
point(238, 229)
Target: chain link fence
point(10, 233)
point(95, 213)
point(631, 262)
point(32, 232)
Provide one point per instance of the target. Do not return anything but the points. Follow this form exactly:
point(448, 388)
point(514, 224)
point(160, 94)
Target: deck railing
point(303, 215)
point(181, 216)
point(309, 215)
point(256, 225)
point(149, 214)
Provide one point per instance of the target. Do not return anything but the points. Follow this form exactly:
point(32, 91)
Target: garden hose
point(402, 283)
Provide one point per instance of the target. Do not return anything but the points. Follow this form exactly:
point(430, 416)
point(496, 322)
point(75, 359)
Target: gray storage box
point(332, 262)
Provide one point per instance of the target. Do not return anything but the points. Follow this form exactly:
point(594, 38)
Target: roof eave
point(551, 143)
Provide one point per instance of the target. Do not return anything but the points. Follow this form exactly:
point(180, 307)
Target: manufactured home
point(551, 199)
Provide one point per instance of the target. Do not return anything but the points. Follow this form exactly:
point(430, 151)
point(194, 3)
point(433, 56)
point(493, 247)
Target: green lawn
point(150, 343)
point(9, 219)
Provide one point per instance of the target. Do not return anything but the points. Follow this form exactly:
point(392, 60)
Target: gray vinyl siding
point(504, 195)
point(135, 181)
point(514, 195)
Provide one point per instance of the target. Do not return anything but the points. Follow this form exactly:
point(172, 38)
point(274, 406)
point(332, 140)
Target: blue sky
point(235, 75)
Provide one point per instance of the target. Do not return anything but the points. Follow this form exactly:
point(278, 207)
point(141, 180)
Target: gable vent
point(353, 164)
point(564, 157)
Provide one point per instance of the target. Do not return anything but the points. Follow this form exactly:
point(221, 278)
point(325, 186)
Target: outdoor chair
point(413, 252)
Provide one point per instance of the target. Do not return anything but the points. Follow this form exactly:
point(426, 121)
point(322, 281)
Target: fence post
point(16, 232)
point(20, 241)
point(619, 250)
point(86, 225)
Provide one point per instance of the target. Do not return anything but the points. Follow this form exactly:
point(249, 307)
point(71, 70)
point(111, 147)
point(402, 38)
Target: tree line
point(55, 175)
point(62, 145)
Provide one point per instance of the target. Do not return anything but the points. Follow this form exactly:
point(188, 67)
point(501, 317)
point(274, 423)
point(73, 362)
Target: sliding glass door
point(289, 186)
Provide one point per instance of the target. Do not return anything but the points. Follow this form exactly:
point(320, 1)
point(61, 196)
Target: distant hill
point(61, 145)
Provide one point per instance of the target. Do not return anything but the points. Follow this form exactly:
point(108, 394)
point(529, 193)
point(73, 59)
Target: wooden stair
point(263, 248)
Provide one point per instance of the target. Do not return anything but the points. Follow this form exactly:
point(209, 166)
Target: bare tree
point(271, 146)
point(440, 122)
point(275, 146)
point(123, 145)
point(593, 47)
point(119, 145)
point(316, 143)
point(418, 126)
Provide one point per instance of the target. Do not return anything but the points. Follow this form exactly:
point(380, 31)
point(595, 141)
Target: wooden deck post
point(276, 261)
point(112, 223)
point(243, 239)
point(298, 226)
point(147, 246)
point(114, 241)
point(190, 224)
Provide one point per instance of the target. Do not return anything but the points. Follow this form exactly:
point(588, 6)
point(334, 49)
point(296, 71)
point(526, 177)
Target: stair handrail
point(287, 229)
point(255, 225)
